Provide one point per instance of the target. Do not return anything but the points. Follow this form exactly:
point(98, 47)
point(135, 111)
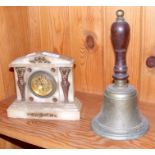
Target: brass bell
point(119, 118)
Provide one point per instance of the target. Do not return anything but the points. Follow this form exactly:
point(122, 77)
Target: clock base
point(49, 111)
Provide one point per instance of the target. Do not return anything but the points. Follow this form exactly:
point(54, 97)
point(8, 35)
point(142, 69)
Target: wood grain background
point(84, 34)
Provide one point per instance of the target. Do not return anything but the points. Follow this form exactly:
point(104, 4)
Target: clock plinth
point(50, 111)
point(44, 87)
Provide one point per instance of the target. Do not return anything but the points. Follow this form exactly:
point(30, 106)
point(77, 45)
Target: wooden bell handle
point(120, 33)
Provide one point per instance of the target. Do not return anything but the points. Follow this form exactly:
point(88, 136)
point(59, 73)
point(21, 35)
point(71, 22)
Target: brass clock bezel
point(50, 77)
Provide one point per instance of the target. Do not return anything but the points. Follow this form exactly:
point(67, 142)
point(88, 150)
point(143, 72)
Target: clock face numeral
point(42, 84)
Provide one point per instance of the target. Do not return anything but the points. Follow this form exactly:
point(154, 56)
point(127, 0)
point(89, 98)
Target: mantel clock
point(44, 87)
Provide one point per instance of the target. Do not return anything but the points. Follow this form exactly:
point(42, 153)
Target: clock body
point(44, 82)
point(41, 78)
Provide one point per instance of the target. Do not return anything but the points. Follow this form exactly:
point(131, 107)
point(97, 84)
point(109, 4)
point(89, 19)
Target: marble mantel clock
point(44, 88)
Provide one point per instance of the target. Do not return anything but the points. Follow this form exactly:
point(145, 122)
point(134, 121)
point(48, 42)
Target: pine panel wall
point(147, 77)
point(84, 34)
point(13, 43)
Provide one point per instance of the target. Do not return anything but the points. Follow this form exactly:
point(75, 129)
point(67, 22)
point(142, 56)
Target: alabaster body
point(44, 88)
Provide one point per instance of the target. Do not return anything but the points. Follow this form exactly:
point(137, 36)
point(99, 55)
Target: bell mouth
point(120, 134)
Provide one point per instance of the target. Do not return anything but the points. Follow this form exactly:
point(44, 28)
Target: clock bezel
point(50, 77)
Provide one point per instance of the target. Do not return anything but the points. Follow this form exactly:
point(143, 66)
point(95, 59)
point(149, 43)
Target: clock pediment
point(44, 59)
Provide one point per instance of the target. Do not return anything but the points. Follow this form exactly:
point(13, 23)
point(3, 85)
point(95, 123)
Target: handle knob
point(150, 62)
point(120, 33)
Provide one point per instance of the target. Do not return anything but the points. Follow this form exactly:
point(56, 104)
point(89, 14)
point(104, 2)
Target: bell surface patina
point(119, 117)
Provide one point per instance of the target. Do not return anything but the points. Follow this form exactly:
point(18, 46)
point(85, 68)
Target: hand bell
point(119, 117)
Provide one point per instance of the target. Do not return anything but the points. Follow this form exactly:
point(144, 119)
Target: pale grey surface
point(119, 117)
point(67, 111)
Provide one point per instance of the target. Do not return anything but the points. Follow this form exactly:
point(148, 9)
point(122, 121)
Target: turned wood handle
point(150, 62)
point(120, 33)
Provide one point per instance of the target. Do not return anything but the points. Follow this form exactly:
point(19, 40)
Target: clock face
point(42, 84)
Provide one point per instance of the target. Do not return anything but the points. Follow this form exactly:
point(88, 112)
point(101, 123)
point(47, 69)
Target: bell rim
point(117, 136)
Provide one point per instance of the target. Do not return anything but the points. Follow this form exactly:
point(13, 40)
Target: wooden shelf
point(72, 134)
